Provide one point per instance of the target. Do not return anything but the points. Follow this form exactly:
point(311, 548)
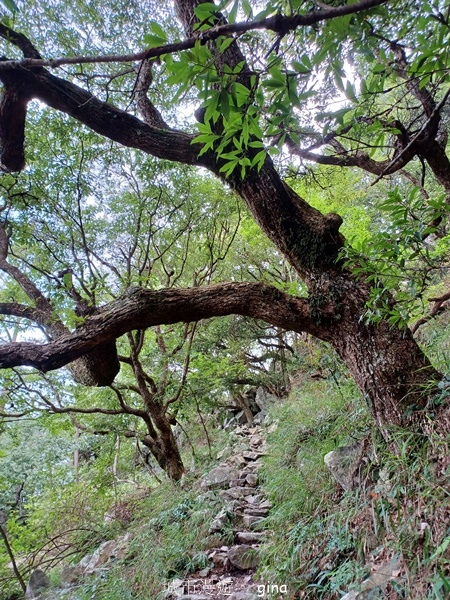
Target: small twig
point(437, 308)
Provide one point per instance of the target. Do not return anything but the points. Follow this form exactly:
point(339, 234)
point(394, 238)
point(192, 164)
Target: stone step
point(252, 521)
point(243, 557)
point(258, 512)
point(237, 492)
point(253, 454)
point(250, 537)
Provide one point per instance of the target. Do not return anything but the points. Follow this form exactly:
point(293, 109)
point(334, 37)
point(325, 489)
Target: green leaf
point(204, 10)
point(154, 41)
point(224, 104)
point(225, 43)
point(157, 30)
point(67, 278)
point(247, 8)
point(233, 12)
point(274, 83)
point(10, 5)
point(229, 167)
point(300, 67)
point(258, 159)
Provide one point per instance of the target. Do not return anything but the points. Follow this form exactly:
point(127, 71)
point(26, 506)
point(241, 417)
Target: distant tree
point(162, 237)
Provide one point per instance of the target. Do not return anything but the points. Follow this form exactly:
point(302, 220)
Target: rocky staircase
point(231, 574)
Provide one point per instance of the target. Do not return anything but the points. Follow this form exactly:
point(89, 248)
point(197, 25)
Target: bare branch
point(438, 307)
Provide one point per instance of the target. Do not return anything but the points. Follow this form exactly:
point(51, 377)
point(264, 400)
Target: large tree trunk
point(164, 449)
point(386, 363)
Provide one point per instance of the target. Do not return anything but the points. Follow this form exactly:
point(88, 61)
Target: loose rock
point(243, 557)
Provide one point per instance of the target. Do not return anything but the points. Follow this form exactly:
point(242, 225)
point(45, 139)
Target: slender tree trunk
point(160, 439)
point(12, 558)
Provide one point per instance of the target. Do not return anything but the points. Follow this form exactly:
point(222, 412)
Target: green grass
point(324, 540)
point(311, 423)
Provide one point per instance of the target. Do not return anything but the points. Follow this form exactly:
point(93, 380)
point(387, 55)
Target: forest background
point(278, 166)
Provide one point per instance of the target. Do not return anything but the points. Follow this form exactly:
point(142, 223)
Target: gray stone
point(259, 418)
point(218, 478)
point(243, 557)
point(220, 521)
point(252, 521)
point(236, 483)
point(37, 584)
point(253, 499)
point(344, 462)
point(252, 479)
point(252, 455)
point(218, 558)
point(106, 552)
point(265, 504)
point(257, 512)
point(263, 399)
point(237, 492)
point(249, 537)
point(371, 588)
point(256, 440)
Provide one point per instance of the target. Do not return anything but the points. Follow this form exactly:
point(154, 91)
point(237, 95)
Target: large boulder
point(218, 478)
point(38, 583)
point(263, 399)
point(344, 463)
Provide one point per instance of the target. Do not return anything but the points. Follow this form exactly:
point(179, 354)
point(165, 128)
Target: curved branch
point(360, 160)
point(149, 112)
point(142, 308)
point(439, 306)
point(15, 309)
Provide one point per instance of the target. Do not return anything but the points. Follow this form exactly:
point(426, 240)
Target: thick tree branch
point(24, 312)
point(104, 118)
point(145, 308)
point(279, 24)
